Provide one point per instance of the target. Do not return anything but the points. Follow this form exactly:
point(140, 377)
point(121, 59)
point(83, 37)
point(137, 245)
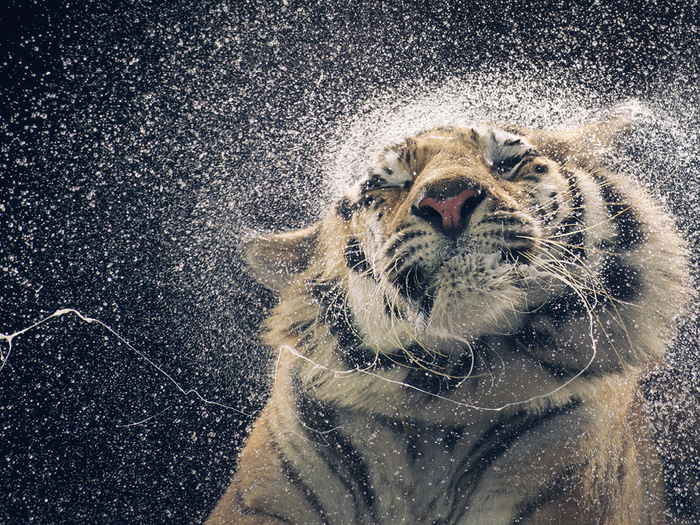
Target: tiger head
point(500, 240)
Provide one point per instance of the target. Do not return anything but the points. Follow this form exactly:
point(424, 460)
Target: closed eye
point(504, 168)
point(508, 165)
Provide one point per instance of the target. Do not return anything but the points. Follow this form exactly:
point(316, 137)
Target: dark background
point(139, 140)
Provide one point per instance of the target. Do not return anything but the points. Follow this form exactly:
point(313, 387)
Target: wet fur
point(486, 375)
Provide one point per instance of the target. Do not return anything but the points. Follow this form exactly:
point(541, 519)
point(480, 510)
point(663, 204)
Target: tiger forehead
point(432, 143)
point(485, 143)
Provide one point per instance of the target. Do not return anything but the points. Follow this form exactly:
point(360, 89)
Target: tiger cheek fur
point(460, 341)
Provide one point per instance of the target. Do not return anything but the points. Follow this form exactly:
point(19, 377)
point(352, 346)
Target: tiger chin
point(460, 340)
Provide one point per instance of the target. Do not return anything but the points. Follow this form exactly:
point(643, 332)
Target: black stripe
point(550, 493)
point(335, 315)
point(247, 511)
point(630, 230)
point(433, 373)
point(403, 238)
point(565, 307)
point(318, 418)
point(620, 280)
point(250, 511)
point(530, 178)
point(297, 328)
point(551, 210)
point(333, 312)
point(351, 467)
point(530, 336)
point(373, 182)
point(365, 202)
point(523, 161)
point(508, 220)
point(378, 202)
point(330, 298)
point(451, 437)
point(562, 371)
point(355, 257)
point(570, 228)
point(295, 478)
point(497, 440)
point(474, 464)
point(503, 434)
point(338, 453)
point(541, 346)
point(344, 208)
point(410, 282)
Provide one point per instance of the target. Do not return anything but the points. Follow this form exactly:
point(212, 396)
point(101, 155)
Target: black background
point(140, 139)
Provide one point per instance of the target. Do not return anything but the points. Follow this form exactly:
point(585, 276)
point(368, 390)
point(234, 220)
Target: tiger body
point(460, 341)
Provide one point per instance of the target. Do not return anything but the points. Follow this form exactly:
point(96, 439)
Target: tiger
point(462, 337)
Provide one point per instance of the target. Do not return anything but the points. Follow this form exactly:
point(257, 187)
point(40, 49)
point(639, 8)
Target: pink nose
point(450, 208)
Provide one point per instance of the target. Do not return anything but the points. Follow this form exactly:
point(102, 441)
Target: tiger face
point(463, 234)
point(451, 223)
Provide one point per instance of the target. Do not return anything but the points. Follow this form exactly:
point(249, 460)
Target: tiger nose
point(447, 213)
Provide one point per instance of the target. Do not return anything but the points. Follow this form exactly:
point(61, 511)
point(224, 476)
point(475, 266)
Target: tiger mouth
point(419, 288)
point(412, 283)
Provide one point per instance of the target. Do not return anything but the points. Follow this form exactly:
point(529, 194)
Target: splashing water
point(140, 144)
point(8, 338)
point(662, 148)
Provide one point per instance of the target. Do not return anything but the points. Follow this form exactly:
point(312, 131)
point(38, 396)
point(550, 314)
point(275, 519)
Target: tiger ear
point(588, 146)
point(274, 260)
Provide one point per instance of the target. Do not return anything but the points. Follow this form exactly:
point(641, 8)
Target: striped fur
point(460, 341)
